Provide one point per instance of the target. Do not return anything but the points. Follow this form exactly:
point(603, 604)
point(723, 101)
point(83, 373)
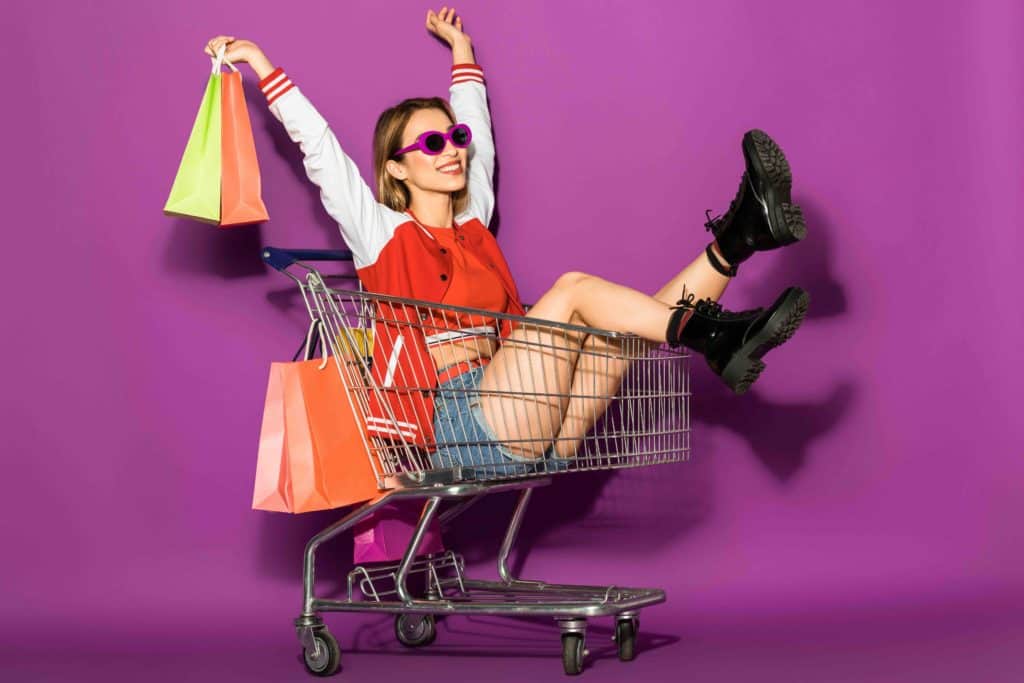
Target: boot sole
point(746, 365)
point(771, 180)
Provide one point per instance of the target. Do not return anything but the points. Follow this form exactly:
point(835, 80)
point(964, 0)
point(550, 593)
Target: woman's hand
point(241, 51)
point(448, 27)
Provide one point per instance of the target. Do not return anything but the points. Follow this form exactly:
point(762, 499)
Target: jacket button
point(443, 250)
point(462, 237)
point(443, 277)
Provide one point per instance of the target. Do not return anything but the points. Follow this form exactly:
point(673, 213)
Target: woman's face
point(444, 172)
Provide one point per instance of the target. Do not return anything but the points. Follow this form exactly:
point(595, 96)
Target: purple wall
point(875, 469)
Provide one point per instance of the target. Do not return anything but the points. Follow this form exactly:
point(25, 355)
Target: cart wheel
point(625, 637)
point(572, 653)
point(414, 630)
point(326, 659)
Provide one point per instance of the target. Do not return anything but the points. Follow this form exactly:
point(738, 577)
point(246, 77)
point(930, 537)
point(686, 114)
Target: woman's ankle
point(718, 262)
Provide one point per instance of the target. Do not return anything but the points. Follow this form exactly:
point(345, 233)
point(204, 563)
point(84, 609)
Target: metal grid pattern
point(574, 399)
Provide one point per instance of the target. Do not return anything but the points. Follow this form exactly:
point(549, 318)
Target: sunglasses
point(432, 142)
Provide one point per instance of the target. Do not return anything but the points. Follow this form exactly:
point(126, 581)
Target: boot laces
point(710, 224)
point(713, 309)
point(687, 300)
point(713, 223)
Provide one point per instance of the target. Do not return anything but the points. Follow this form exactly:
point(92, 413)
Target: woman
point(427, 239)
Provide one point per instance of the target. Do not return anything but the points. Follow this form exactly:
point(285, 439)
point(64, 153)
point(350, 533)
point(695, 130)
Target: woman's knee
point(570, 280)
point(560, 302)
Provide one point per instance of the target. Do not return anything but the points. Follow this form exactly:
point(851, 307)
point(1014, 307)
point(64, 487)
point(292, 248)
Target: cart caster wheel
point(625, 637)
point(326, 658)
point(572, 653)
point(414, 630)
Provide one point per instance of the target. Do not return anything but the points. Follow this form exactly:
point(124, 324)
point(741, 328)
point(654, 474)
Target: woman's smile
point(454, 168)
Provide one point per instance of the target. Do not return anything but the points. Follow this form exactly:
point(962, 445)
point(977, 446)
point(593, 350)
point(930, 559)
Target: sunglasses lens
point(460, 136)
point(434, 142)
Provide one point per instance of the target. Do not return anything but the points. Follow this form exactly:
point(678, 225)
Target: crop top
point(472, 285)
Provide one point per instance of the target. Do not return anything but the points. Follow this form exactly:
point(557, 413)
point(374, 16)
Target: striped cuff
point(466, 73)
point(275, 85)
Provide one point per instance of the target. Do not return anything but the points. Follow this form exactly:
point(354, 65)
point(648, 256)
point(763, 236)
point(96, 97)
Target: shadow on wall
point(660, 505)
point(650, 507)
point(645, 509)
point(282, 545)
point(640, 509)
point(779, 434)
point(289, 152)
point(195, 248)
point(808, 265)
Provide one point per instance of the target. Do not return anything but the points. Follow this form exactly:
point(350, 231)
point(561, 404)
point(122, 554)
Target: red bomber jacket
point(393, 254)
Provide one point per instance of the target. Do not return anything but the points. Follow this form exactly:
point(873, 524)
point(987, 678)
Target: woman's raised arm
point(366, 225)
point(468, 98)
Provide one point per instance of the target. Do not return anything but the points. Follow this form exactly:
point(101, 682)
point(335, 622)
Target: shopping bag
point(272, 490)
point(385, 534)
point(312, 452)
point(196, 189)
point(240, 201)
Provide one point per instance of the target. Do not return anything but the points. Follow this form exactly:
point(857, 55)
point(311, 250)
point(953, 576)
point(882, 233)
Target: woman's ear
point(395, 170)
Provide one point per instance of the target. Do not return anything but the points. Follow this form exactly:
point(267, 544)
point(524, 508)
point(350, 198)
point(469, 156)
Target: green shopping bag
point(196, 189)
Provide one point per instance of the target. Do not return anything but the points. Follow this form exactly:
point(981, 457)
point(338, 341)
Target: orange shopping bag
point(312, 455)
point(240, 188)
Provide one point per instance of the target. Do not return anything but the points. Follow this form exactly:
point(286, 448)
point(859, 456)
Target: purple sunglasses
point(432, 142)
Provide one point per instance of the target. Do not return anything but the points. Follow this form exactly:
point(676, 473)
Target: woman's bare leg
point(601, 365)
point(525, 391)
point(699, 277)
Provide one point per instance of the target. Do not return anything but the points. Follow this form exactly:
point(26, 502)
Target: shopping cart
point(631, 398)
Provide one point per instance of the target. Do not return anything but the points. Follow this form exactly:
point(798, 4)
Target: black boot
point(733, 343)
point(762, 216)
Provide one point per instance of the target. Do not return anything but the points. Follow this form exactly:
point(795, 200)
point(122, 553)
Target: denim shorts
point(464, 437)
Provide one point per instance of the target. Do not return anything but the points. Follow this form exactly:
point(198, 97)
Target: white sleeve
point(468, 98)
point(366, 224)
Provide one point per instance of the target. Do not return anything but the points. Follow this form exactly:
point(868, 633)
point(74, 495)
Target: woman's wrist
point(462, 51)
point(261, 65)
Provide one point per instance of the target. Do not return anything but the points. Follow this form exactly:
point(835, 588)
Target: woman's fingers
point(436, 21)
point(215, 44)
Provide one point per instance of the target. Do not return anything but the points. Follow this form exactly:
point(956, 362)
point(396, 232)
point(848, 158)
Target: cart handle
point(281, 259)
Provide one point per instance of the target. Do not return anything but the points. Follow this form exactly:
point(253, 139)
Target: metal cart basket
point(627, 406)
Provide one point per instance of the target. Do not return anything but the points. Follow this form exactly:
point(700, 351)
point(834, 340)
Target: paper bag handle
point(314, 336)
point(220, 59)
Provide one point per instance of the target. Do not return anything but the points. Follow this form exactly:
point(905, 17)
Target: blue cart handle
point(281, 259)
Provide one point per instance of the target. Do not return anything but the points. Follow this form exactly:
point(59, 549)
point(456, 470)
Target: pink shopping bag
point(385, 535)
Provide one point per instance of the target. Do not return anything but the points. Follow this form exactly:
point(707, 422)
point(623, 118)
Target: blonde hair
point(387, 139)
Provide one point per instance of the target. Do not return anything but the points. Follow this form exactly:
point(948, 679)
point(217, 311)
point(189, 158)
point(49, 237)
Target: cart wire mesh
point(553, 397)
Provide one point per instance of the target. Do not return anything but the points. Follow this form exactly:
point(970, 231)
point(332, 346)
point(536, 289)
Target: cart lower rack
point(566, 398)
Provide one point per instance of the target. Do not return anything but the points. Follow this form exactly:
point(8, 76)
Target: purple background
point(857, 517)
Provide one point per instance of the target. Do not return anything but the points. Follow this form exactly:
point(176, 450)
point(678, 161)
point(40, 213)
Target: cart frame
point(385, 587)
